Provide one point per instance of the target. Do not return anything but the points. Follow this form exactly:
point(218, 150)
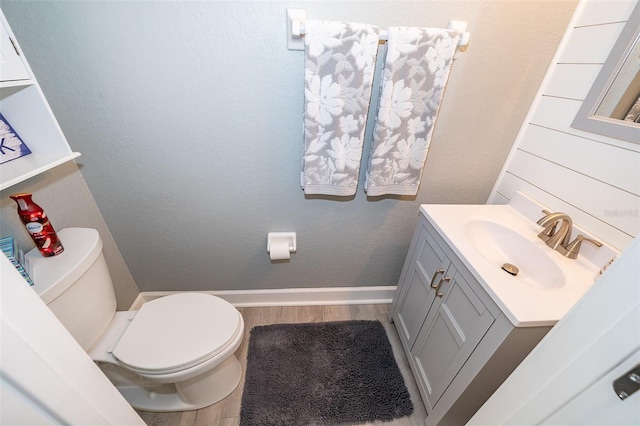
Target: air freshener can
point(38, 225)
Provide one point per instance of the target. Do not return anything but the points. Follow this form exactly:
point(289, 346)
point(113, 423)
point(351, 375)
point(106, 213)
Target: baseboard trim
point(290, 296)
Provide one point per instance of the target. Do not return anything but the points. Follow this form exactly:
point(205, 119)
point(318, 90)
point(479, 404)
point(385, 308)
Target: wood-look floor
point(227, 411)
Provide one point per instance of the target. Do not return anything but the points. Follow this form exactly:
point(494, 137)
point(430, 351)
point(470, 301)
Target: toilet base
point(192, 394)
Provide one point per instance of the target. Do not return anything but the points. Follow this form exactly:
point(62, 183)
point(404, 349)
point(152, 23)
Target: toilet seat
point(176, 332)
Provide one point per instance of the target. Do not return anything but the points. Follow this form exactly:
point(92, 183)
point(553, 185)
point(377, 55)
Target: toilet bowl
point(179, 359)
point(175, 353)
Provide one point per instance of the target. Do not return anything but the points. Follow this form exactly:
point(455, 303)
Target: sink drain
point(510, 269)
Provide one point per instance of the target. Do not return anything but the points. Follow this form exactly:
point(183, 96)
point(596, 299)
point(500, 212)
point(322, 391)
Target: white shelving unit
point(24, 106)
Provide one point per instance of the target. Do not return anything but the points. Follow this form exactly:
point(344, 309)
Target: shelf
point(24, 106)
point(16, 83)
point(34, 171)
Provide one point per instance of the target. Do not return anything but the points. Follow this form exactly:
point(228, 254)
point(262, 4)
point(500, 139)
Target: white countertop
point(524, 303)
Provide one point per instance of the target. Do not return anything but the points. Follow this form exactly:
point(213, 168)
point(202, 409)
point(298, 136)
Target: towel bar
point(297, 17)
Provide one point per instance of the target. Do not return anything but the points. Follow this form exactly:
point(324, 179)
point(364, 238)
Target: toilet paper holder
point(277, 238)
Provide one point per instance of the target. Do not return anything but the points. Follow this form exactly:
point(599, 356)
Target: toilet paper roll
point(279, 251)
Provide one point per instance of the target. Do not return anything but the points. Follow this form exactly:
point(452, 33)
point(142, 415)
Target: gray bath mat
point(322, 373)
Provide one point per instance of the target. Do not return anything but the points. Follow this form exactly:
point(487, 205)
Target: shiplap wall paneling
point(510, 184)
point(572, 81)
point(591, 44)
point(595, 12)
point(585, 157)
point(597, 198)
point(593, 178)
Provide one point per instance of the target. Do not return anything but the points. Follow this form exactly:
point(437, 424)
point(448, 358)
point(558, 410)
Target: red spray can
point(38, 225)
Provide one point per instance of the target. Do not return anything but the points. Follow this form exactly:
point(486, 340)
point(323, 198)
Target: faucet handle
point(571, 250)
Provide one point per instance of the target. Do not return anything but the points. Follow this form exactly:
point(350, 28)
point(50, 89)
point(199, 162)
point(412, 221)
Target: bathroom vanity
point(465, 324)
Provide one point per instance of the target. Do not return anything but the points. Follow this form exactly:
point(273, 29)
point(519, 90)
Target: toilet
point(175, 353)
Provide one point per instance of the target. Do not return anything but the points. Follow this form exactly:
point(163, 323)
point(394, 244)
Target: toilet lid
point(177, 331)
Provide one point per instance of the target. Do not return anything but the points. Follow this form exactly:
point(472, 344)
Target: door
point(599, 405)
point(44, 370)
point(567, 379)
point(10, 61)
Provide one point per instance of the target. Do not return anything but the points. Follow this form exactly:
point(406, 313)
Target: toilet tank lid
point(53, 275)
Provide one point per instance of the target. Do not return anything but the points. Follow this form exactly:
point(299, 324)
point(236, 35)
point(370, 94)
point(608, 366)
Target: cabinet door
point(428, 266)
point(454, 326)
point(11, 65)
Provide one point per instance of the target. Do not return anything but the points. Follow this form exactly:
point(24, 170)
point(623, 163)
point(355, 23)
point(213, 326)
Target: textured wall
point(188, 115)
point(63, 194)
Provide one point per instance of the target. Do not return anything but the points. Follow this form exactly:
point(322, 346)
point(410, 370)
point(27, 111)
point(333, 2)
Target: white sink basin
point(485, 237)
point(499, 245)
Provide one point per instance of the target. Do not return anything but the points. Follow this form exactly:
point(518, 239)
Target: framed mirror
point(612, 107)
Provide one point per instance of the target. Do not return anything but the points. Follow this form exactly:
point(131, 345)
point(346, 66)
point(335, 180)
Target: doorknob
point(628, 383)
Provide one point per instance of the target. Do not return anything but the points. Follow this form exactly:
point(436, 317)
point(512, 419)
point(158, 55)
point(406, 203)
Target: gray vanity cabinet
point(459, 344)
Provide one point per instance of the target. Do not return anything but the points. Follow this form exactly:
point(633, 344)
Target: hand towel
point(339, 66)
point(415, 74)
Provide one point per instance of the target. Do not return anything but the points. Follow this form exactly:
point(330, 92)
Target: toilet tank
point(76, 284)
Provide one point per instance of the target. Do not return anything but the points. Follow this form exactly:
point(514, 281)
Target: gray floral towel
point(339, 66)
point(415, 74)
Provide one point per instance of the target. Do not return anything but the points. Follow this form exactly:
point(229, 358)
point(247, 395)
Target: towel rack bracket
point(461, 27)
point(295, 28)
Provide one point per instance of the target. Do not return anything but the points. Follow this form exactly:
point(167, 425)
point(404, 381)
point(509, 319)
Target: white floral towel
point(416, 71)
point(339, 66)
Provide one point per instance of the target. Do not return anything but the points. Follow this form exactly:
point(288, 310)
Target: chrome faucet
point(558, 237)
